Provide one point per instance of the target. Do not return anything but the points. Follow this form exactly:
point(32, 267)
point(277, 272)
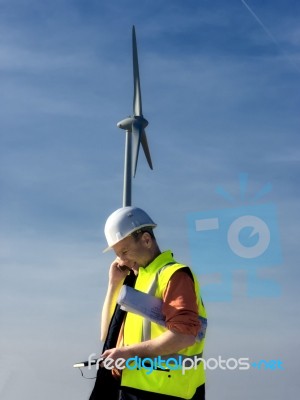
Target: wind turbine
point(135, 130)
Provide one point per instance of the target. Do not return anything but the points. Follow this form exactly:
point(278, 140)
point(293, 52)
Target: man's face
point(132, 252)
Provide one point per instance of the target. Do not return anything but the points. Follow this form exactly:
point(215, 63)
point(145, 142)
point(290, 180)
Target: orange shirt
point(180, 304)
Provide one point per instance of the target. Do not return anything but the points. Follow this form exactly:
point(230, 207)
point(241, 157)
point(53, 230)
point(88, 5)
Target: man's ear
point(147, 239)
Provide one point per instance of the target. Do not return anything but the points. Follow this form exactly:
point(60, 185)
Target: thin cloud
point(270, 35)
point(259, 21)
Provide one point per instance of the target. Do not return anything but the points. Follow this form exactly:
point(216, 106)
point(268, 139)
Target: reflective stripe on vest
point(146, 333)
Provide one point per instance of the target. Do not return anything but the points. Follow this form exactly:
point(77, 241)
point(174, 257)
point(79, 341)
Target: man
point(129, 232)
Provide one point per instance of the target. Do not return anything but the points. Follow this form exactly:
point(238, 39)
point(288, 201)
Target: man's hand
point(117, 352)
point(117, 272)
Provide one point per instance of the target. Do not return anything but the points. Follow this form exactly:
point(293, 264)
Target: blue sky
point(220, 89)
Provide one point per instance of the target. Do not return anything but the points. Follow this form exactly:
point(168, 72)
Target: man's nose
point(122, 260)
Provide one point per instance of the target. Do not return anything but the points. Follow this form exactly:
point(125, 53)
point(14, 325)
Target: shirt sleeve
point(180, 304)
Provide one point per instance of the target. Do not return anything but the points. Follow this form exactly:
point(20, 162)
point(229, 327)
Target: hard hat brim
point(107, 249)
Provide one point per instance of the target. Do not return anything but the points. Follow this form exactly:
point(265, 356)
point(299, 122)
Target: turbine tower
point(135, 130)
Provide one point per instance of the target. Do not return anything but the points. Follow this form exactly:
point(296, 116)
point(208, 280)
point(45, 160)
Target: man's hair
point(137, 234)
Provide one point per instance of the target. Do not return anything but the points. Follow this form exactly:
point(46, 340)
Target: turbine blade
point(137, 98)
point(136, 140)
point(145, 146)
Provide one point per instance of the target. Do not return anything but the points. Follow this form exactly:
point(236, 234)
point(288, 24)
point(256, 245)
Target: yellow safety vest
point(147, 374)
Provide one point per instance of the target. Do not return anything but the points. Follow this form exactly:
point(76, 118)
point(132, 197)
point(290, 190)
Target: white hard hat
point(124, 221)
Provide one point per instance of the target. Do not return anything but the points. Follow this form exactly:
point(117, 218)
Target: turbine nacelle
point(127, 123)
